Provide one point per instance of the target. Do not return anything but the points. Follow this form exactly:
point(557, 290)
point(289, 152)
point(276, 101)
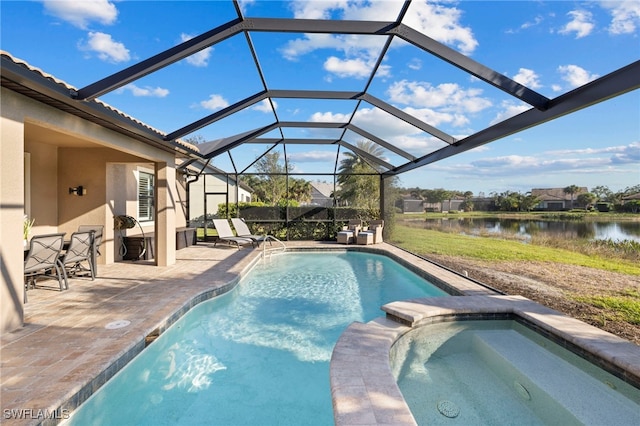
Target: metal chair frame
point(43, 258)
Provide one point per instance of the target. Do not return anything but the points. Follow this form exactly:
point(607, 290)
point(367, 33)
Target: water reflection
point(526, 228)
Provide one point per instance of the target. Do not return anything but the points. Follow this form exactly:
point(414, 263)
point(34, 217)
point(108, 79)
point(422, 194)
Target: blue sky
point(549, 46)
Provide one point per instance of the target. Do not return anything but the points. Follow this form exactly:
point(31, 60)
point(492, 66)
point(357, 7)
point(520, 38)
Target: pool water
point(259, 354)
point(500, 372)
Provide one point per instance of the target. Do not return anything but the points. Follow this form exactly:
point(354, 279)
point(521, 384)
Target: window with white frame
point(145, 196)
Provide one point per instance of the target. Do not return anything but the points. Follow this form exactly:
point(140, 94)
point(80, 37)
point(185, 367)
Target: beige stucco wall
point(66, 151)
point(11, 212)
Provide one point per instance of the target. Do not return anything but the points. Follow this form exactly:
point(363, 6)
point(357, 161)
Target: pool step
point(555, 390)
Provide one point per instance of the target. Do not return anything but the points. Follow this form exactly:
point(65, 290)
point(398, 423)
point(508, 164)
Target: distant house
point(453, 204)
point(555, 199)
point(321, 194)
point(631, 197)
point(410, 205)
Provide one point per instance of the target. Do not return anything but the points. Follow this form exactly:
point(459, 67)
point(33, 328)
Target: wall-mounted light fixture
point(78, 190)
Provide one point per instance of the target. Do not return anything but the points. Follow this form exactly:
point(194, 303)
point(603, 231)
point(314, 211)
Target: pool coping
point(364, 390)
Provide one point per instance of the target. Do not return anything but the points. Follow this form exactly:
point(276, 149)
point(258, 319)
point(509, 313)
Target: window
point(145, 196)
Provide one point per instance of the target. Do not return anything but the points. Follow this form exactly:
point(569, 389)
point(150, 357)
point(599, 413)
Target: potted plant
point(27, 224)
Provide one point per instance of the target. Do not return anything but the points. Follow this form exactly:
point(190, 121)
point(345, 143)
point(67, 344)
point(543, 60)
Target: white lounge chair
point(226, 234)
point(243, 231)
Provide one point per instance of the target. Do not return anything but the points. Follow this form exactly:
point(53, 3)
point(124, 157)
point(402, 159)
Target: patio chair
point(77, 254)
point(243, 231)
point(373, 235)
point(350, 232)
point(42, 259)
point(97, 240)
point(97, 236)
point(226, 234)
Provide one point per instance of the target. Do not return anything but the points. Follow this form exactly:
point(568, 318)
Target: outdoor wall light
point(78, 190)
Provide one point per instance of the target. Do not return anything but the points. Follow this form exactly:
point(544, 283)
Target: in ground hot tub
point(482, 360)
point(501, 372)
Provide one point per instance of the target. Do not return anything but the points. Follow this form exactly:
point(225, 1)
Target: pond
point(526, 228)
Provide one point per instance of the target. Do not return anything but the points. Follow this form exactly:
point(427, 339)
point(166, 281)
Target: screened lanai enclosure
point(329, 105)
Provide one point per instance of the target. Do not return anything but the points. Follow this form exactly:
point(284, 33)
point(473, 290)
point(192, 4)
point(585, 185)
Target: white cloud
point(152, 92)
point(575, 75)
point(521, 166)
point(312, 156)
point(387, 127)
point(358, 68)
point(621, 154)
point(81, 13)
point(581, 23)
point(571, 162)
point(265, 106)
point(436, 118)
point(448, 97)
point(625, 16)
point(215, 102)
point(441, 23)
point(360, 52)
point(374, 10)
point(536, 21)
point(106, 48)
point(415, 64)
point(527, 78)
point(245, 5)
point(629, 155)
point(509, 109)
point(198, 59)
point(328, 117)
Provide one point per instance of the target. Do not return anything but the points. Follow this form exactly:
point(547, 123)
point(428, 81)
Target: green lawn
point(424, 241)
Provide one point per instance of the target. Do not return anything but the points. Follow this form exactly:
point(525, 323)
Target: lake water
point(616, 231)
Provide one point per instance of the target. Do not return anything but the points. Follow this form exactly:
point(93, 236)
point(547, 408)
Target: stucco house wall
point(63, 151)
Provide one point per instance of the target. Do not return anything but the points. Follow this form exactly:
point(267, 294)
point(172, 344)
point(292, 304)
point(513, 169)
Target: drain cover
point(117, 324)
point(448, 409)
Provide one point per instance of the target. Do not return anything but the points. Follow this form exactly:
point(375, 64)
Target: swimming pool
point(501, 372)
point(259, 354)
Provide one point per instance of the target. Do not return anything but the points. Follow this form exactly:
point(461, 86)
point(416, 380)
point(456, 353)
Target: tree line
point(518, 201)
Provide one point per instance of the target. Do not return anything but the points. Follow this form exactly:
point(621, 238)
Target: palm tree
point(571, 189)
point(358, 186)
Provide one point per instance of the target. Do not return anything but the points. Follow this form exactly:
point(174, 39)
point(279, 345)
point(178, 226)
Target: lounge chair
point(372, 235)
point(349, 233)
point(44, 251)
point(79, 251)
point(226, 234)
point(97, 240)
point(243, 231)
